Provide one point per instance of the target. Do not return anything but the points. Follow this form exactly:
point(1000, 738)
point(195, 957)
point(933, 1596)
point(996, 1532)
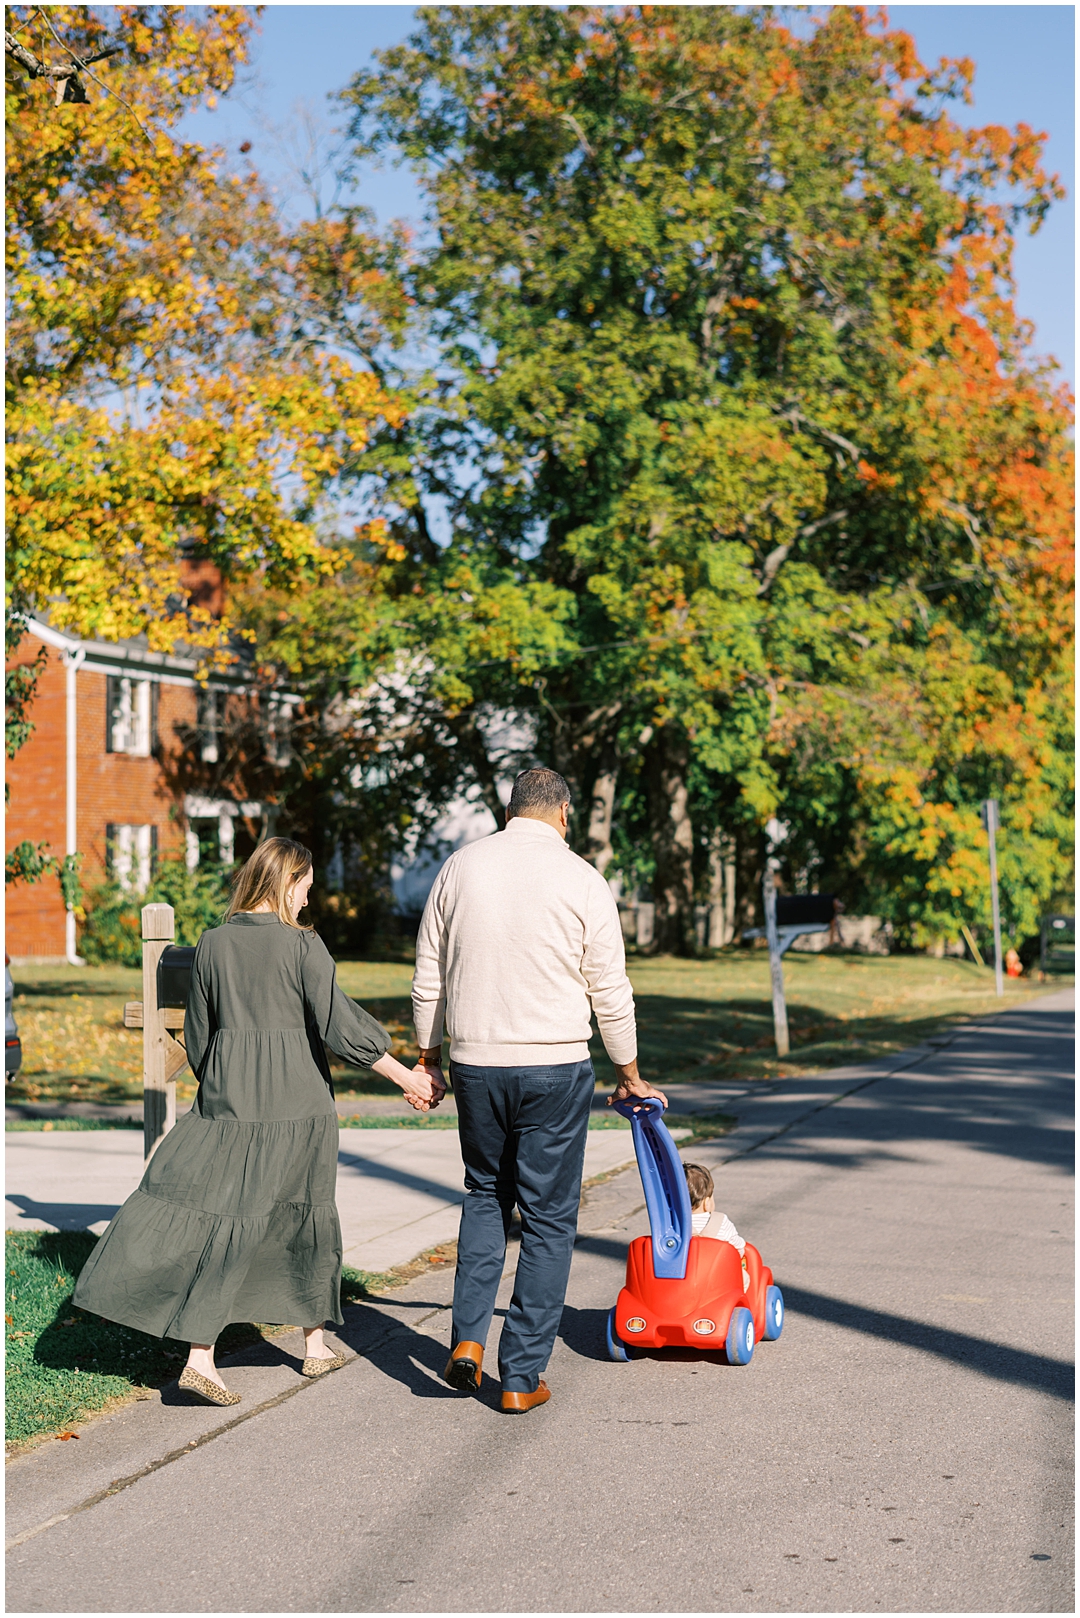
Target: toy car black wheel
point(774, 1313)
point(740, 1337)
point(615, 1346)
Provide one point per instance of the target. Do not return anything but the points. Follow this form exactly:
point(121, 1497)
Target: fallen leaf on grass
point(63, 1437)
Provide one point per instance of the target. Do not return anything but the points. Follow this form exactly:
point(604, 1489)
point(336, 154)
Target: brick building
point(125, 766)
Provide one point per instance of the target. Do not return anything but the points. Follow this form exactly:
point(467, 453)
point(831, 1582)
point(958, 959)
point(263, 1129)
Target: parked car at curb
point(12, 1042)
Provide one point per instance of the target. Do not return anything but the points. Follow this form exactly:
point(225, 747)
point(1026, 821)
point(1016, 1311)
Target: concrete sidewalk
point(399, 1190)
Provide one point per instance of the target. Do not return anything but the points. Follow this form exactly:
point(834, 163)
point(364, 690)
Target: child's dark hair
point(699, 1183)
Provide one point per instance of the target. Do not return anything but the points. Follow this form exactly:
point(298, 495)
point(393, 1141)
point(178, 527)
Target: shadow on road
point(996, 1360)
point(1005, 1089)
point(410, 1357)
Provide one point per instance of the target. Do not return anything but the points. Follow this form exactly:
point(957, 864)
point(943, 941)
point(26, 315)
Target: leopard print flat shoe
point(203, 1388)
point(315, 1367)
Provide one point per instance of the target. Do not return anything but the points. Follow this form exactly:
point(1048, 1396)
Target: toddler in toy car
point(704, 1217)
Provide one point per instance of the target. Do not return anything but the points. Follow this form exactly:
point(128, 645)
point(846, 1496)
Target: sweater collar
point(525, 826)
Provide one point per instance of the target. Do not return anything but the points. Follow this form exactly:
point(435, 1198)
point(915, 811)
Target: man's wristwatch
point(432, 1058)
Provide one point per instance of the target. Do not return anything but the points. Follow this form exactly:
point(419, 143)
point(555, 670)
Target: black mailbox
point(174, 975)
point(801, 909)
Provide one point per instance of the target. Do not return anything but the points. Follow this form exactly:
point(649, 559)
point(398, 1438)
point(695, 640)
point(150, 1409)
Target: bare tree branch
point(67, 81)
point(776, 558)
point(60, 75)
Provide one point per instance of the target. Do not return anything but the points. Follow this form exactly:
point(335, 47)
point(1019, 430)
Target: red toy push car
point(682, 1290)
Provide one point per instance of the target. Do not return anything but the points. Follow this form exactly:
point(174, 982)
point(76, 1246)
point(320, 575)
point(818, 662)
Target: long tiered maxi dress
point(235, 1216)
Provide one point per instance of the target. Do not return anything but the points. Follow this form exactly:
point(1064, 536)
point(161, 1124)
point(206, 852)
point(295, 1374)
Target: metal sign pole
point(776, 965)
point(158, 930)
point(990, 821)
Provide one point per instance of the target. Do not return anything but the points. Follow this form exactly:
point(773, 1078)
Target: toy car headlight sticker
point(635, 1323)
point(704, 1327)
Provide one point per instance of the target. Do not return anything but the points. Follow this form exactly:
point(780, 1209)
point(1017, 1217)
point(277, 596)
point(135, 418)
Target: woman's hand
point(424, 1087)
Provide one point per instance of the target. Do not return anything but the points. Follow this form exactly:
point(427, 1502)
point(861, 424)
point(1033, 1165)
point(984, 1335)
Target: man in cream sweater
point(519, 942)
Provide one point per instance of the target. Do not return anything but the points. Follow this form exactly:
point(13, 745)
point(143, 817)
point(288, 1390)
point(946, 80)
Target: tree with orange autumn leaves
point(738, 382)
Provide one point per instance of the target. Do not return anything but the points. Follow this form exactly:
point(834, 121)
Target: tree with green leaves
point(732, 399)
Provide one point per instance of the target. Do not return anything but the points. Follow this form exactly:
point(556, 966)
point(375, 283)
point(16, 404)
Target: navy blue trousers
point(523, 1133)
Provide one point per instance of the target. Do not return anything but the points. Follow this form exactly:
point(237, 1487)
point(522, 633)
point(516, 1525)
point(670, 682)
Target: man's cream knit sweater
point(519, 938)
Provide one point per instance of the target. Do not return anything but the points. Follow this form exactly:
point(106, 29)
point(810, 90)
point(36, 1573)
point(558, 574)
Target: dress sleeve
point(198, 1017)
point(342, 1025)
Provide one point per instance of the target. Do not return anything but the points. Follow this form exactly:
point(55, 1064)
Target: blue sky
point(1024, 58)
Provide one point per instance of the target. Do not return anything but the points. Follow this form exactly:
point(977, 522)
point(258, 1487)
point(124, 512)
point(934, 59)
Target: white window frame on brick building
point(131, 717)
point(131, 855)
point(224, 811)
point(209, 704)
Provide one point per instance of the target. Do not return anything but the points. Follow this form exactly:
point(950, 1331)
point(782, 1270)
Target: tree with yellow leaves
point(157, 403)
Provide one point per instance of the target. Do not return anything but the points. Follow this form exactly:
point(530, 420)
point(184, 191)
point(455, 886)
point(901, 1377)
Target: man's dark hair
point(537, 792)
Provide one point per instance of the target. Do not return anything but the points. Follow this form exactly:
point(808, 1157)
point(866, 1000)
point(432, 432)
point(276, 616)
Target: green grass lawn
point(64, 1364)
point(706, 1019)
point(712, 1018)
point(61, 1362)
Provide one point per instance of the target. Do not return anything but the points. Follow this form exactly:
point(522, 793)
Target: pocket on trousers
point(542, 1085)
point(565, 1076)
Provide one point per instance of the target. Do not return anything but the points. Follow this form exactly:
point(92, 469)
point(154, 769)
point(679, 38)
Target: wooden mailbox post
point(163, 1056)
point(159, 1095)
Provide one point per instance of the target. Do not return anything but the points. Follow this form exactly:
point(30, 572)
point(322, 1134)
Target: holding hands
point(423, 1085)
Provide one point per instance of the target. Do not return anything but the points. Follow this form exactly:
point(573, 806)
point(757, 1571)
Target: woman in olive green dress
point(235, 1216)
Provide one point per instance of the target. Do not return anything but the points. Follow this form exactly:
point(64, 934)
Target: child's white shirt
point(719, 1227)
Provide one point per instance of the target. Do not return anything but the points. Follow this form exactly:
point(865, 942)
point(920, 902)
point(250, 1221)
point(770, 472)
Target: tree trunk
point(749, 866)
point(667, 763)
point(471, 741)
point(721, 890)
point(600, 807)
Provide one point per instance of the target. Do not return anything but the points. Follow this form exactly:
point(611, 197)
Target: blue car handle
point(664, 1181)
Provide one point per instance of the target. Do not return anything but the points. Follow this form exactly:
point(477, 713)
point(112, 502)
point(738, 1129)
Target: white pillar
point(71, 840)
point(225, 839)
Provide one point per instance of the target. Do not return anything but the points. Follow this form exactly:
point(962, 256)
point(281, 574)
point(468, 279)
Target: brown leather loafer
point(463, 1367)
point(515, 1403)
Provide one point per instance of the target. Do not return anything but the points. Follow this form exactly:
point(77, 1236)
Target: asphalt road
point(905, 1446)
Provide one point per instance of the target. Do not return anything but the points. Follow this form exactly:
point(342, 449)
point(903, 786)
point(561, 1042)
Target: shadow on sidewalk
point(63, 1215)
point(375, 1169)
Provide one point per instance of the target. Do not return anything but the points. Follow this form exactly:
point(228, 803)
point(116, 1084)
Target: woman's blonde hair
point(269, 875)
